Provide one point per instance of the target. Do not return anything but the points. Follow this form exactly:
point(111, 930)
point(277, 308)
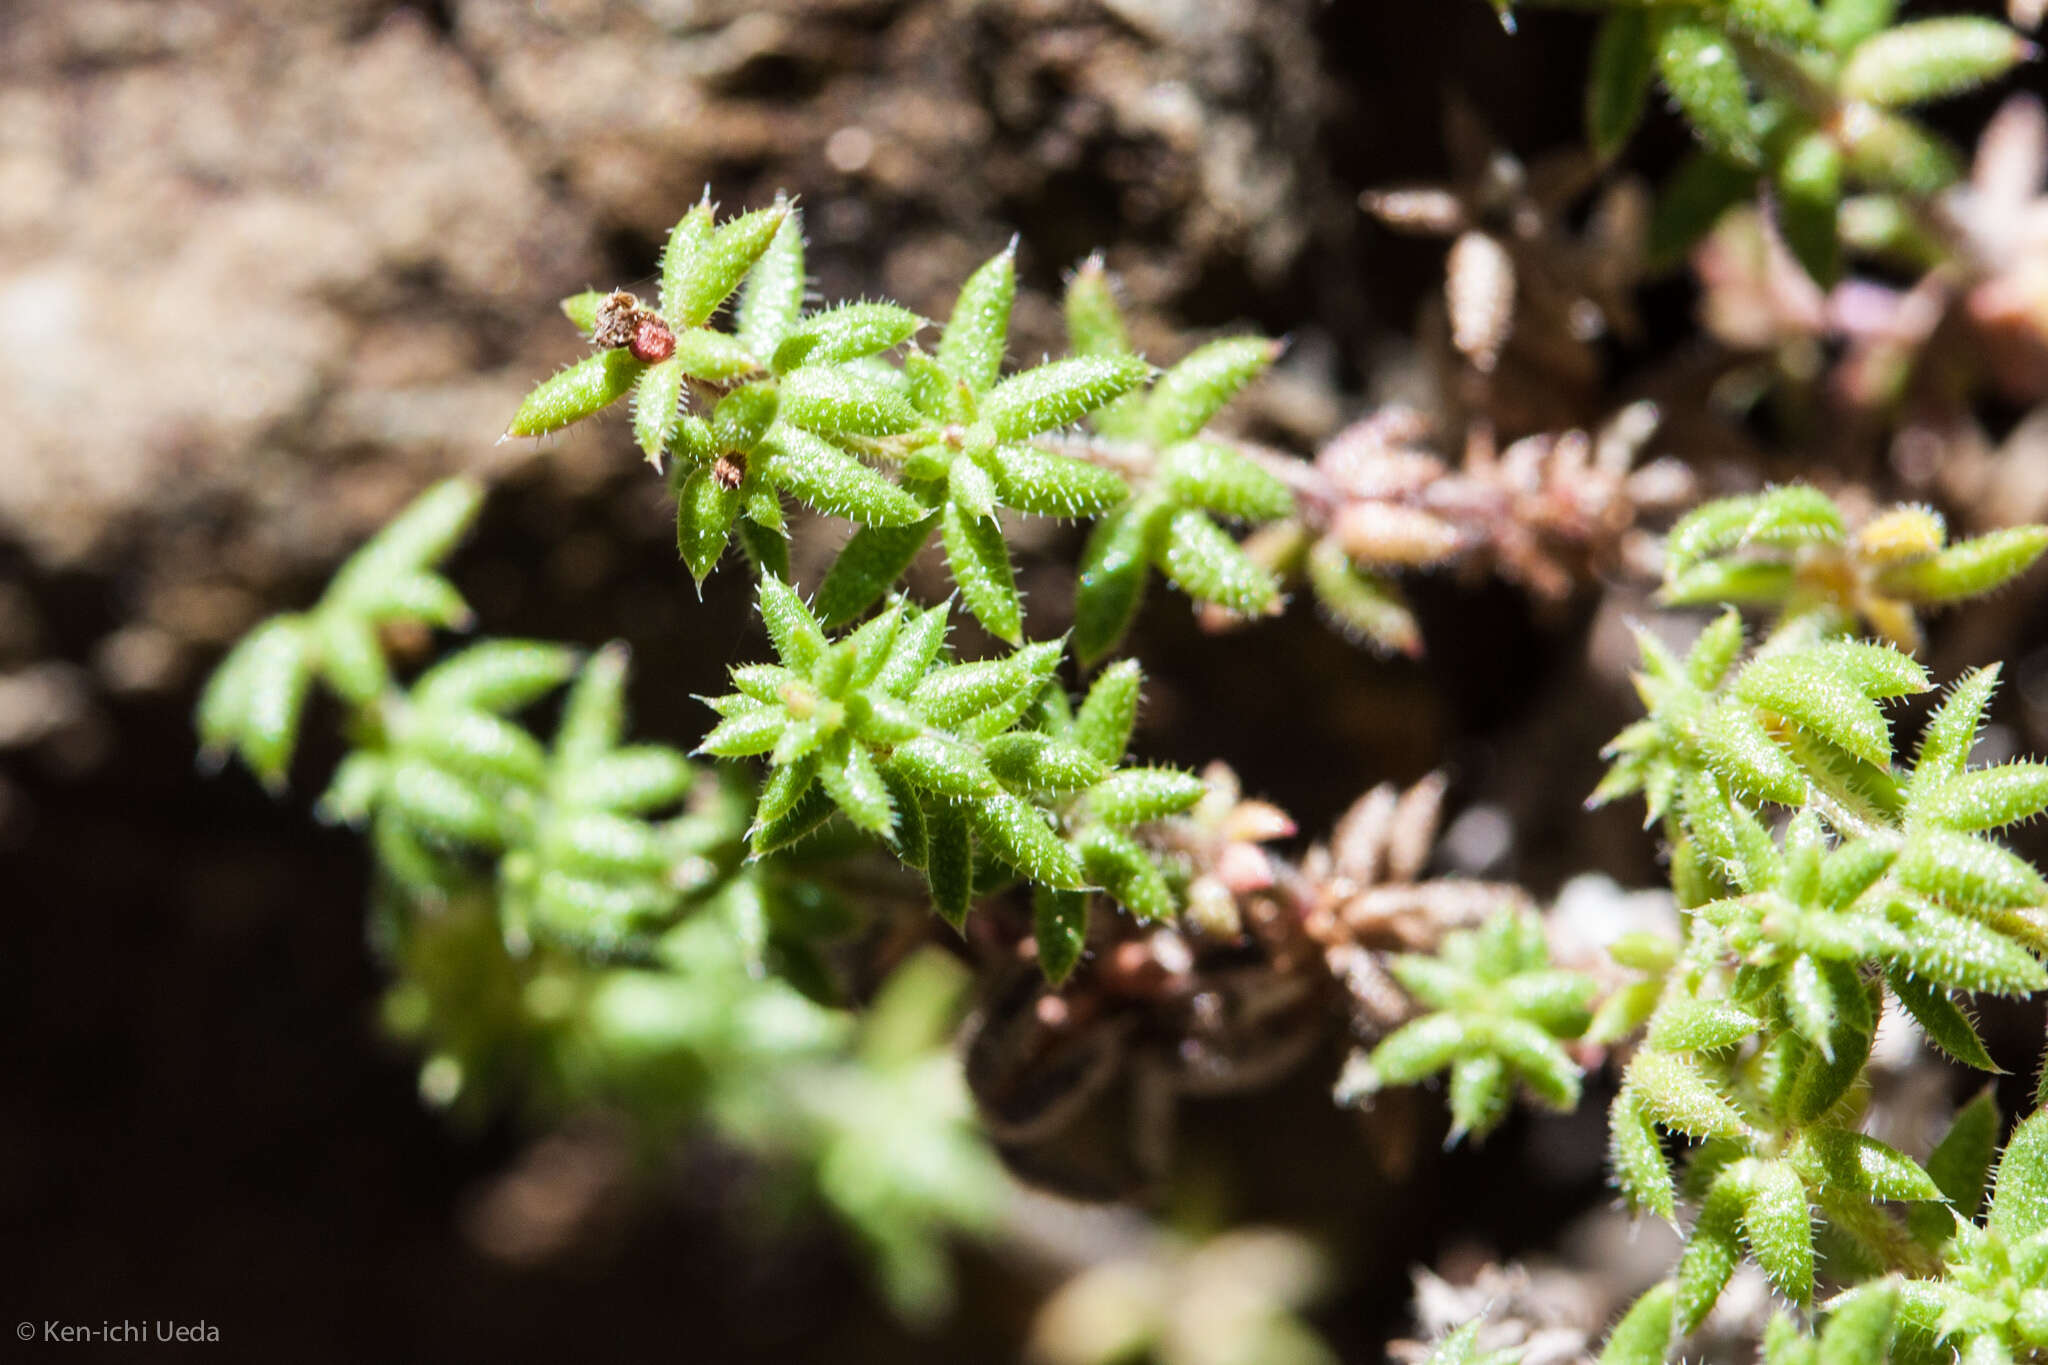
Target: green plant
point(1800, 97)
point(586, 920)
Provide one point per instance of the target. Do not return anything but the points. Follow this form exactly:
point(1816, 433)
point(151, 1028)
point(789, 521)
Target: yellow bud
point(1903, 534)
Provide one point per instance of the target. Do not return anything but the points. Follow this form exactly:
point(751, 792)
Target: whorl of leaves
point(1497, 1016)
point(1804, 98)
point(977, 772)
point(805, 405)
point(1885, 878)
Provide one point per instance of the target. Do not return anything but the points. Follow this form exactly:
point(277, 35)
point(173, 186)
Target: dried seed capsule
point(1479, 286)
point(617, 320)
point(652, 341)
point(1390, 533)
point(730, 469)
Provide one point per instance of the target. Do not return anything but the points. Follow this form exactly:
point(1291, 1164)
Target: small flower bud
point(1902, 534)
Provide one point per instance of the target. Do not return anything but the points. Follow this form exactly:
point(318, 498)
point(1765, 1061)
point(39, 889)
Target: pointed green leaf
point(1017, 832)
point(848, 332)
point(495, 675)
point(743, 417)
point(350, 657)
point(1678, 1094)
point(1962, 952)
point(581, 309)
point(950, 696)
point(715, 269)
point(1968, 568)
point(835, 400)
point(1809, 181)
point(1110, 712)
point(1942, 1020)
point(355, 791)
point(1636, 1157)
point(855, 785)
point(1211, 567)
point(1931, 60)
point(1707, 531)
point(829, 480)
point(1136, 796)
point(1112, 575)
point(1365, 606)
point(1059, 923)
point(772, 299)
point(1842, 1162)
point(1049, 485)
point(745, 734)
point(868, 567)
point(1742, 751)
point(631, 781)
point(443, 806)
point(265, 681)
point(1026, 760)
point(422, 598)
point(705, 509)
point(1644, 1333)
point(1712, 1251)
point(798, 639)
point(1480, 1094)
point(1982, 799)
point(1699, 67)
point(1420, 1048)
point(712, 356)
point(1623, 60)
point(800, 806)
point(657, 400)
point(1969, 870)
point(476, 746)
point(1095, 325)
point(917, 643)
point(1684, 1025)
point(420, 536)
point(680, 256)
point(1779, 1229)
point(1805, 690)
point(946, 767)
point(1122, 867)
point(1538, 1061)
point(1058, 393)
point(1715, 651)
point(979, 559)
point(570, 395)
point(2019, 1200)
point(972, 348)
point(1217, 479)
point(606, 846)
point(949, 861)
point(1892, 153)
point(1952, 730)
point(1860, 1332)
point(1186, 396)
point(1793, 515)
